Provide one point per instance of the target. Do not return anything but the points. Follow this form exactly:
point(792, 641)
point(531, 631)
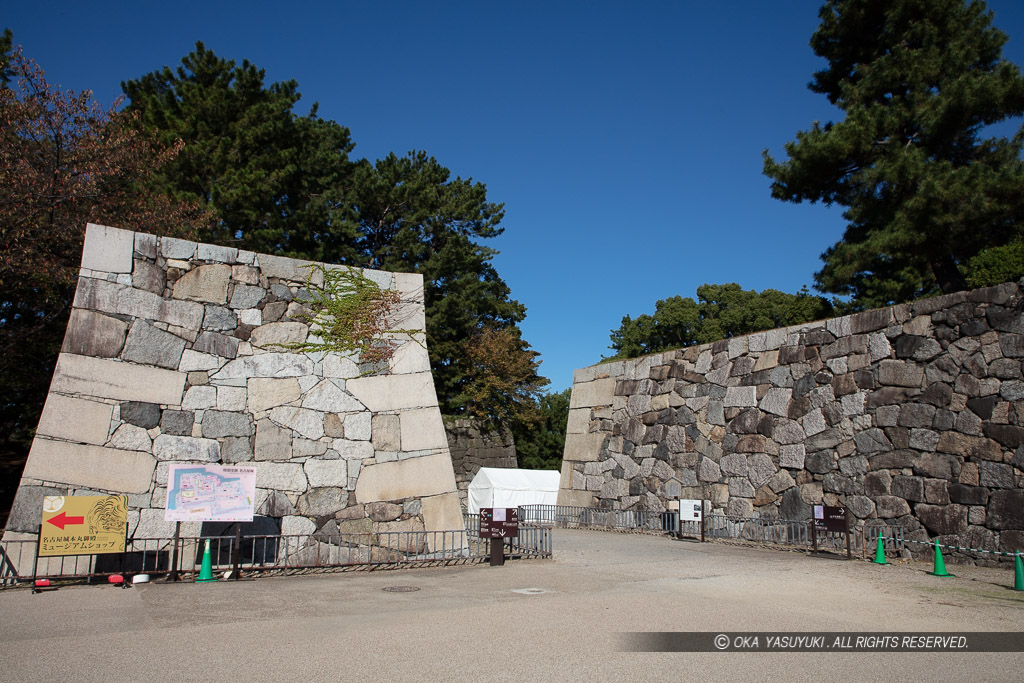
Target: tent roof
point(516, 479)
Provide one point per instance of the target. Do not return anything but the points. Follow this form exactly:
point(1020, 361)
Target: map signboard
point(499, 522)
point(83, 525)
point(210, 493)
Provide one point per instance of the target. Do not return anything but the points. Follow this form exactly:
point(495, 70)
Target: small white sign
point(499, 515)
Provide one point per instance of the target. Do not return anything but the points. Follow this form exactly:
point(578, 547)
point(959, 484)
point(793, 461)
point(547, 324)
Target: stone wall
point(473, 448)
point(912, 414)
point(173, 354)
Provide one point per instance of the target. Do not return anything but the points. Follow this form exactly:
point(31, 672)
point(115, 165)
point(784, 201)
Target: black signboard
point(499, 522)
point(830, 517)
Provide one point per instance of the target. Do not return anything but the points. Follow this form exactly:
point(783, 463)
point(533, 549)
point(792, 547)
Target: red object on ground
point(42, 583)
point(115, 578)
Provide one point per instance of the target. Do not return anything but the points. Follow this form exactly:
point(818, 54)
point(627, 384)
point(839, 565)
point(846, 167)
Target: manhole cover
point(529, 591)
point(400, 589)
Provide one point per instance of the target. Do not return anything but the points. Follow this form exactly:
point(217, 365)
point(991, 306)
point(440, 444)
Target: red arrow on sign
point(61, 520)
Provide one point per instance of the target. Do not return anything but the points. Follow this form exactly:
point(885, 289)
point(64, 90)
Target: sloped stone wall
point(912, 414)
point(473, 448)
point(173, 354)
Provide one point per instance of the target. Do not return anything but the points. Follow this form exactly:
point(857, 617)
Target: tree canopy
point(539, 446)
point(925, 191)
point(720, 311)
point(64, 161)
point(283, 183)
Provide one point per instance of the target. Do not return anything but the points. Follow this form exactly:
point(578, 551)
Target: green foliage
point(539, 445)
point(275, 180)
point(64, 161)
point(6, 73)
point(503, 385)
point(924, 192)
point(348, 314)
point(996, 265)
point(284, 184)
point(721, 311)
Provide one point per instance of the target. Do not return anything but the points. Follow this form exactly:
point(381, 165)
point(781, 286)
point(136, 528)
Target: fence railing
point(157, 556)
point(716, 526)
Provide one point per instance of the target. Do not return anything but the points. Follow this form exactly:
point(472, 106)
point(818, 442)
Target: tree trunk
point(947, 274)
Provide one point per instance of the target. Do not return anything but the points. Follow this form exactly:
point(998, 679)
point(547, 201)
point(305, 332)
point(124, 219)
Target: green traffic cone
point(1018, 574)
point(206, 570)
point(939, 568)
point(879, 551)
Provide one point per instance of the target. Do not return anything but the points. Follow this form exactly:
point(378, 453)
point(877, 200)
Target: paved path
point(469, 623)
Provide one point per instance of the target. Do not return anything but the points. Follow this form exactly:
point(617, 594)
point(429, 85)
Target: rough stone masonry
point(174, 354)
point(912, 414)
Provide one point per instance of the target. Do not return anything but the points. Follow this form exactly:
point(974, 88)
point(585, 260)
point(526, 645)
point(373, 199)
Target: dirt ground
point(559, 620)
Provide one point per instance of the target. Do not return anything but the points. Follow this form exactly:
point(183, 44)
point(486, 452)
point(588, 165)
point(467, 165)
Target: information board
point(830, 517)
point(690, 510)
point(210, 493)
point(83, 525)
point(499, 522)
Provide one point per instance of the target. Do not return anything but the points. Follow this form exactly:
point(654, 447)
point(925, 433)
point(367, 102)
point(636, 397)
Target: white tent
point(497, 487)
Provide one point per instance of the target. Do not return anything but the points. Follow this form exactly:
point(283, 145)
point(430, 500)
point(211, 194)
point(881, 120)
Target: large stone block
point(219, 423)
point(1006, 509)
point(943, 520)
point(583, 447)
point(265, 393)
point(110, 297)
point(307, 423)
point(293, 270)
point(272, 442)
point(108, 249)
point(207, 283)
point(410, 357)
point(169, 447)
point(281, 476)
point(278, 334)
point(381, 393)
point(151, 346)
point(27, 510)
point(421, 430)
point(900, 373)
point(216, 344)
point(441, 513)
point(92, 467)
point(321, 502)
point(425, 476)
point(94, 334)
point(599, 392)
point(75, 419)
point(329, 398)
point(326, 473)
point(111, 379)
point(267, 365)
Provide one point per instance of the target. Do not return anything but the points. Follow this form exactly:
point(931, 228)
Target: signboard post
point(210, 493)
point(498, 524)
point(830, 518)
point(83, 525)
point(691, 511)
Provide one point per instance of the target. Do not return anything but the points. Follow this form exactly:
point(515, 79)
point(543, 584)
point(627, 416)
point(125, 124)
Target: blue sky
point(624, 138)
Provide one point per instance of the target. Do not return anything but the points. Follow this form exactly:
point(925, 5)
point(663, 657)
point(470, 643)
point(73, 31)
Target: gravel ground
point(558, 620)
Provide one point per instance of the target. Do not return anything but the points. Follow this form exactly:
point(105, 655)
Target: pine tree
point(924, 191)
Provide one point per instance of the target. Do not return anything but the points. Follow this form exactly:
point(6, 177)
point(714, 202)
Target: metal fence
point(716, 526)
point(570, 516)
point(261, 553)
